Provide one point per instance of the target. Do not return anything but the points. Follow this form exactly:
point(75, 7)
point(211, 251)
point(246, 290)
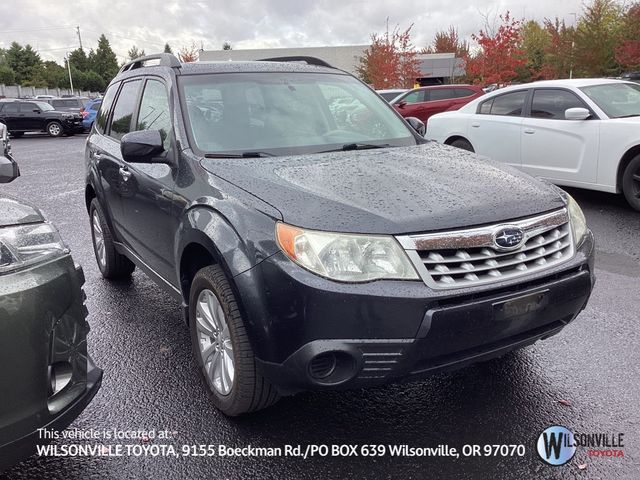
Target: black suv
point(73, 104)
point(22, 116)
point(318, 248)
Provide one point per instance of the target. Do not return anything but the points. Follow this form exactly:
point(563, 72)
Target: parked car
point(22, 116)
point(426, 101)
point(631, 76)
point(43, 97)
point(313, 254)
point(89, 113)
point(73, 104)
point(49, 377)
point(391, 93)
point(581, 133)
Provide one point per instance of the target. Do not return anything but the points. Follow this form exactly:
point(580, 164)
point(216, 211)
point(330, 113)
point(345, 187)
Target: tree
point(227, 46)
point(390, 61)
point(24, 61)
point(627, 53)
point(559, 51)
point(79, 59)
point(448, 41)
point(597, 36)
point(535, 44)
point(7, 77)
point(167, 48)
point(103, 61)
point(501, 56)
point(189, 53)
point(134, 53)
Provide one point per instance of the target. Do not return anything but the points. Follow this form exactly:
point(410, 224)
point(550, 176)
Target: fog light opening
point(332, 368)
point(322, 365)
point(60, 374)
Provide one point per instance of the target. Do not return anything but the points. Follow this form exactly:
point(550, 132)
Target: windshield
point(617, 100)
point(44, 106)
point(287, 113)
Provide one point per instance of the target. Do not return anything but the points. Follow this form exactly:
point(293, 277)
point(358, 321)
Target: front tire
point(54, 129)
point(631, 183)
point(112, 265)
point(463, 143)
point(221, 346)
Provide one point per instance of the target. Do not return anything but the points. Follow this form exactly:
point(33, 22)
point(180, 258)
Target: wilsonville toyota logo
point(557, 444)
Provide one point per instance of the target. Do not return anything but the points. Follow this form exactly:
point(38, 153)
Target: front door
point(555, 148)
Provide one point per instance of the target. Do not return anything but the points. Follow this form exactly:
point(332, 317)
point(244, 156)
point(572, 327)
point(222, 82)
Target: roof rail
point(308, 60)
point(166, 60)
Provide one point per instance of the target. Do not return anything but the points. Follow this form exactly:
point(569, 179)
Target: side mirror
point(9, 170)
point(576, 114)
point(144, 146)
point(418, 125)
point(36, 110)
point(401, 104)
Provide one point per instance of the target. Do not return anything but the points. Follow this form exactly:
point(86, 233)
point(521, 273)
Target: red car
point(426, 101)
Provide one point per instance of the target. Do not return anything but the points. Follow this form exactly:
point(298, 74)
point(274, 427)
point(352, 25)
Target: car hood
point(15, 212)
point(392, 190)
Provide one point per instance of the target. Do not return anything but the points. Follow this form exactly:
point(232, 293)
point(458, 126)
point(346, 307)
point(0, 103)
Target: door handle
point(475, 125)
point(125, 173)
point(529, 131)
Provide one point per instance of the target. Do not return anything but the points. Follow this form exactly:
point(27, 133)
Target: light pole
point(573, 42)
point(69, 70)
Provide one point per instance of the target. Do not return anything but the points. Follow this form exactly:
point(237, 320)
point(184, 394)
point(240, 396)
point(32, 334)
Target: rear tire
point(54, 129)
point(112, 264)
point(220, 340)
point(631, 183)
point(463, 143)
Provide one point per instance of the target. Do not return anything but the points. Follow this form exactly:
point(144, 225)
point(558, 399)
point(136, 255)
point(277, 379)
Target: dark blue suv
point(314, 238)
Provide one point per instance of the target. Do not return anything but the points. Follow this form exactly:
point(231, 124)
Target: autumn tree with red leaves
point(448, 41)
point(188, 54)
point(390, 61)
point(501, 55)
point(628, 51)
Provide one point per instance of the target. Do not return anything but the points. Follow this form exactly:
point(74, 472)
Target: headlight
point(26, 245)
point(578, 222)
point(346, 257)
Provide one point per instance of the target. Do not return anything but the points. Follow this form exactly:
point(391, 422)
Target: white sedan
point(579, 133)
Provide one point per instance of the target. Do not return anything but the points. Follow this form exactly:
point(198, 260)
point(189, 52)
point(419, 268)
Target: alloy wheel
point(98, 239)
point(214, 342)
point(54, 129)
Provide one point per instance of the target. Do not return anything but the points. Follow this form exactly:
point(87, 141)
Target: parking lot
point(587, 378)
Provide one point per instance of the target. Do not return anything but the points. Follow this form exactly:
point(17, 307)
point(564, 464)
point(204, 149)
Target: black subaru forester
point(315, 239)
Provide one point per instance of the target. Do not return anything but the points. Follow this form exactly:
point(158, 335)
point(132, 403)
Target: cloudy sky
point(50, 26)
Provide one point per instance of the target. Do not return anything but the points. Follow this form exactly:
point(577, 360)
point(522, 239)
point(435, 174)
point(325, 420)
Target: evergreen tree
point(167, 48)
point(24, 61)
point(135, 53)
point(103, 61)
point(79, 60)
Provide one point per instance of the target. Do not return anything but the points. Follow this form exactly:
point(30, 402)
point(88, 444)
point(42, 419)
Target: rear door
point(104, 149)
point(438, 100)
point(10, 115)
point(556, 148)
point(495, 130)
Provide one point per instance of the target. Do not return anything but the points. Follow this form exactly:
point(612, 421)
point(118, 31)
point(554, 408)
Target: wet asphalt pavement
point(150, 381)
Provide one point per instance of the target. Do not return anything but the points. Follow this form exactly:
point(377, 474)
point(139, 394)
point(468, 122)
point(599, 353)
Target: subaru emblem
point(508, 238)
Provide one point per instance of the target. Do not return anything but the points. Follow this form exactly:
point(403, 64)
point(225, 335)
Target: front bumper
point(43, 330)
point(310, 333)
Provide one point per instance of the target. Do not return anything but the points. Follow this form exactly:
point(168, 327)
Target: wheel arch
point(629, 155)
point(453, 138)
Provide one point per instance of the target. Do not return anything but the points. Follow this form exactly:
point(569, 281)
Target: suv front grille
point(466, 258)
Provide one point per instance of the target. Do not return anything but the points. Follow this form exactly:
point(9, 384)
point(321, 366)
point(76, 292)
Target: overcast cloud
point(49, 26)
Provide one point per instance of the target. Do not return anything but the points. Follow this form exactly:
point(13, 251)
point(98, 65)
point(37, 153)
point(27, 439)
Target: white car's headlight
point(346, 257)
point(578, 222)
point(25, 245)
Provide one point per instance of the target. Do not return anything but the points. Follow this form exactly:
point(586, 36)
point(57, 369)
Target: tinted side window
point(485, 107)
point(123, 110)
point(154, 111)
point(441, 94)
point(107, 101)
point(464, 92)
point(414, 97)
point(95, 106)
point(10, 108)
point(28, 107)
point(510, 104)
point(552, 103)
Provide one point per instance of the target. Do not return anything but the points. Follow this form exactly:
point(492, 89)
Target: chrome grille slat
point(469, 257)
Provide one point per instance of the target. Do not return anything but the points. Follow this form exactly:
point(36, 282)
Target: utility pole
point(573, 42)
point(69, 70)
point(79, 36)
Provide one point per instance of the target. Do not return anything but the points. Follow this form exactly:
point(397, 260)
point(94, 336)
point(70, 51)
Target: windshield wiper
point(629, 116)
point(357, 146)
point(239, 155)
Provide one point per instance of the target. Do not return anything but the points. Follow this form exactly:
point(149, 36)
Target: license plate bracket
point(521, 306)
